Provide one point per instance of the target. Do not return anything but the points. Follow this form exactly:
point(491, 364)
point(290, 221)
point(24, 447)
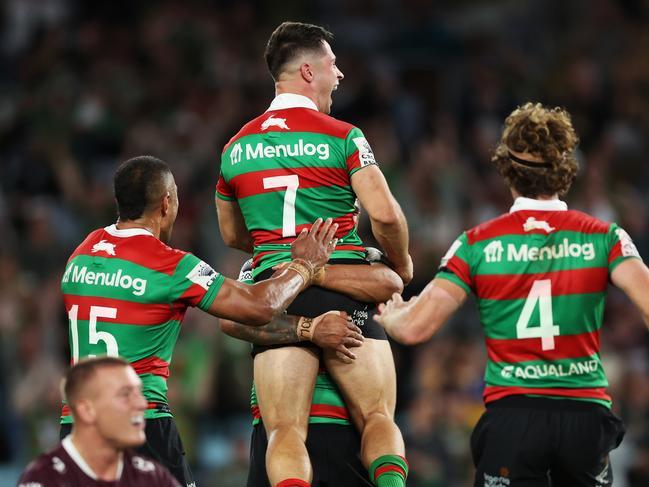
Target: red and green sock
point(389, 471)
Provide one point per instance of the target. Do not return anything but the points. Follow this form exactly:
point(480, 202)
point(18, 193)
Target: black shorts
point(163, 445)
point(541, 442)
point(333, 451)
point(315, 301)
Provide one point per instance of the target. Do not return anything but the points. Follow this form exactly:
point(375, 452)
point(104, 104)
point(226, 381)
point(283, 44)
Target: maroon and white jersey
point(64, 467)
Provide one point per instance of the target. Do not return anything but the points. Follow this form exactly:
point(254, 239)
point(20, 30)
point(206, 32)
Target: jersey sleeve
point(358, 153)
point(195, 283)
point(620, 247)
point(455, 266)
point(223, 190)
point(37, 475)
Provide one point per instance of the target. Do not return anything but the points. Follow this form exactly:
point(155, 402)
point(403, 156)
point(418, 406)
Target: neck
point(149, 224)
point(101, 457)
point(289, 86)
point(542, 197)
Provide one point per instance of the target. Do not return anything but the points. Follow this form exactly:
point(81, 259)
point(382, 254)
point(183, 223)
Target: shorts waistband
point(528, 402)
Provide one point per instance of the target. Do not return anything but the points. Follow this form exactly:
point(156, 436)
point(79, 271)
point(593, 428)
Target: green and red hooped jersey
point(540, 275)
point(126, 293)
point(288, 167)
point(327, 404)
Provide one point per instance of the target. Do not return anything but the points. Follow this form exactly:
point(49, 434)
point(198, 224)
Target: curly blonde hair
point(544, 141)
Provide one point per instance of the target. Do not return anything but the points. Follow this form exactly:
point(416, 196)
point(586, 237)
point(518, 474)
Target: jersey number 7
point(291, 183)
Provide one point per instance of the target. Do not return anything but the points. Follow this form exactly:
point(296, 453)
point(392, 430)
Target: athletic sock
point(389, 471)
point(293, 483)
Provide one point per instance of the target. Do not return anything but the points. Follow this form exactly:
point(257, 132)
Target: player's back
point(540, 278)
point(288, 167)
point(126, 294)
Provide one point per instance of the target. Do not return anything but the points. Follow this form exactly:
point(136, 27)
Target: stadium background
point(84, 85)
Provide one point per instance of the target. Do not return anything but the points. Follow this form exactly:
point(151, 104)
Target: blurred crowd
point(84, 85)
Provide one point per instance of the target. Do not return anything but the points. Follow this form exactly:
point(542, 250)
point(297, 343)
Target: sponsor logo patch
point(81, 275)
point(365, 154)
point(143, 465)
point(549, 370)
point(494, 252)
point(235, 154)
point(103, 246)
point(628, 247)
point(202, 274)
point(273, 121)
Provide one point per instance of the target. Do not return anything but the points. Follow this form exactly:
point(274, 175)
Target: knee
point(287, 429)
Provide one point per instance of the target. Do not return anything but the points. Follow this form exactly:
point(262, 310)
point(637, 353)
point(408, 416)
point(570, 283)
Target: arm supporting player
point(388, 221)
point(632, 277)
point(373, 283)
point(418, 319)
point(232, 226)
point(257, 304)
point(329, 331)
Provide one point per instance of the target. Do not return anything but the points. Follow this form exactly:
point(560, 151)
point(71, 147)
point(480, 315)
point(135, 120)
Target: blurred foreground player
point(289, 163)
point(105, 397)
point(126, 293)
point(540, 275)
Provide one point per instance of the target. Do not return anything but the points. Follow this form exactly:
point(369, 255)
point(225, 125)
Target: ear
point(85, 411)
point(307, 72)
point(165, 203)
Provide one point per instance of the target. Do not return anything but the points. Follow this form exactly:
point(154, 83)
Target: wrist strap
point(305, 328)
point(305, 272)
point(318, 276)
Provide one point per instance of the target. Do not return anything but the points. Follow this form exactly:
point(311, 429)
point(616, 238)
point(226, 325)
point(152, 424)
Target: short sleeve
point(224, 191)
point(358, 153)
point(195, 283)
point(455, 266)
point(620, 247)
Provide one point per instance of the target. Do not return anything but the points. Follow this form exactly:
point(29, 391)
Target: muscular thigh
point(284, 381)
point(369, 383)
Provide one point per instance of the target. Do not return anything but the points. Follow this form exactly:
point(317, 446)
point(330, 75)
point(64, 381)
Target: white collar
point(126, 232)
point(522, 203)
point(76, 457)
point(291, 100)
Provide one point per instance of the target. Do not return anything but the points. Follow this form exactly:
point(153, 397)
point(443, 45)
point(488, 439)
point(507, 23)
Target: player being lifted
point(126, 292)
point(289, 163)
point(540, 275)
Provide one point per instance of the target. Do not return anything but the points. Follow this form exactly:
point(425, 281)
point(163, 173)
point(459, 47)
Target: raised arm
point(232, 225)
point(332, 330)
point(389, 224)
point(257, 304)
point(416, 320)
point(632, 277)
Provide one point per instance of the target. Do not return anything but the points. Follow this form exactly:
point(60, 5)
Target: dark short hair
point(78, 376)
point(139, 183)
point(544, 134)
point(290, 40)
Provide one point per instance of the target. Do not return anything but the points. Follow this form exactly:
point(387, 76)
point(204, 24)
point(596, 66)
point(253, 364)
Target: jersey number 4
point(291, 183)
point(540, 293)
point(94, 336)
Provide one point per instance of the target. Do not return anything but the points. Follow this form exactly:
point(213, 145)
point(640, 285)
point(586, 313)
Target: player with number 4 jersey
point(540, 275)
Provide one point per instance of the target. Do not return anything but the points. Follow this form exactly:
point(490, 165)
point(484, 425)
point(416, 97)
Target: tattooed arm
point(332, 330)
